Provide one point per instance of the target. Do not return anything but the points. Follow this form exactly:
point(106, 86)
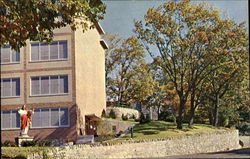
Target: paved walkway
point(240, 153)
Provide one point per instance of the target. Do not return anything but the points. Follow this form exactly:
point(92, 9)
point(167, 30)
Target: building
point(63, 81)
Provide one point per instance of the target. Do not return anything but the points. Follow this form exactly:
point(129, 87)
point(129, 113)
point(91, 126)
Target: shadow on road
point(240, 153)
point(243, 151)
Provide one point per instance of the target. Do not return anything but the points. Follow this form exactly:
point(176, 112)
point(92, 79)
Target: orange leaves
point(231, 34)
point(201, 36)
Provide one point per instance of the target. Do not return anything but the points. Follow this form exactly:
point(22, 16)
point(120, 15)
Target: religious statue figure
point(26, 119)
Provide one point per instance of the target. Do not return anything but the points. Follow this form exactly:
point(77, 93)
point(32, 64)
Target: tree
point(189, 39)
point(121, 64)
point(111, 60)
point(35, 20)
point(143, 84)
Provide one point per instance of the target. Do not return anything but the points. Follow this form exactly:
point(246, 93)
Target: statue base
point(20, 139)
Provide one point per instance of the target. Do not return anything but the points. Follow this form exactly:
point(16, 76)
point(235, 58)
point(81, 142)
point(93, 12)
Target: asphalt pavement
point(239, 153)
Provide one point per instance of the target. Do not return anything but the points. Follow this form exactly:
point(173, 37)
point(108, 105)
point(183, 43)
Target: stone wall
point(125, 111)
point(109, 124)
point(156, 148)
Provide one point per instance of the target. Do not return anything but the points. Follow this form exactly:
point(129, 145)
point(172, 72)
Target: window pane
point(35, 86)
point(44, 51)
point(45, 117)
point(63, 49)
point(63, 81)
point(6, 88)
point(55, 117)
point(1, 88)
point(5, 54)
point(54, 87)
point(15, 56)
point(6, 119)
point(44, 85)
point(15, 87)
point(15, 119)
point(64, 116)
point(54, 50)
point(35, 52)
point(36, 120)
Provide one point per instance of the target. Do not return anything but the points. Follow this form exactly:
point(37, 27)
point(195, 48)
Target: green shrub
point(144, 119)
point(167, 116)
point(104, 114)
point(124, 117)
point(8, 143)
point(41, 143)
point(112, 114)
point(148, 118)
point(244, 128)
point(44, 143)
point(28, 143)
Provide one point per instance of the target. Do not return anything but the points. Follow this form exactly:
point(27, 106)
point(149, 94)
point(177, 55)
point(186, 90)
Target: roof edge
point(99, 29)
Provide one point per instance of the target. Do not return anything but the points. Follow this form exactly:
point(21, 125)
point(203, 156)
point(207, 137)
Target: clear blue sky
point(121, 13)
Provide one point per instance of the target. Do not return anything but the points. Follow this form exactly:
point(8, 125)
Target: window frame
point(11, 111)
point(40, 85)
point(49, 52)
point(59, 125)
point(10, 56)
point(11, 80)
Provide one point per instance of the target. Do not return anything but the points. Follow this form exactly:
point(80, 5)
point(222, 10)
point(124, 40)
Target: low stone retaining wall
point(157, 148)
point(245, 140)
point(125, 111)
point(114, 126)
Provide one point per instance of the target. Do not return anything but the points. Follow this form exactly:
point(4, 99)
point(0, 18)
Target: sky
point(120, 14)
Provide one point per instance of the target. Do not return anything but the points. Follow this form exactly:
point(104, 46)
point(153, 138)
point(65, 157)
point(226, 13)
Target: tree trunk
point(216, 111)
point(158, 112)
point(192, 109)
point(191, 118)
point(180, 114)
point(211, 118)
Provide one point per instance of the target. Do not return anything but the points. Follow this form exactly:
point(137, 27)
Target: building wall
point(64, 133)
point(90, 73)
point(25, 70)
point(86, 83)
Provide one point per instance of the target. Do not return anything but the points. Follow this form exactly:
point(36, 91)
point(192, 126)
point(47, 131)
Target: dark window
point(10, 119)
point(10, 87)
point(49, 85)
point(48, 52)
point(50, 117)
point(9, 56)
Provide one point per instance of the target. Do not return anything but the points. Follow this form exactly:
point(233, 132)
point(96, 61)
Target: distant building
point(63, 81)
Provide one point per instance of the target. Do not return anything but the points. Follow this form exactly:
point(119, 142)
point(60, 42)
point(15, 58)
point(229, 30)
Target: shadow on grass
point(20, 157)
point(150, 132)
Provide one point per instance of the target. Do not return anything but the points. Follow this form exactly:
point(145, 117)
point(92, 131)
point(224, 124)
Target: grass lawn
point(161, 129)
point(20, 152)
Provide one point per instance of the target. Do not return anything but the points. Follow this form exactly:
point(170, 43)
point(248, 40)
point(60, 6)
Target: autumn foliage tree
point(36, 19)
point(192, 40)
point(122, 65)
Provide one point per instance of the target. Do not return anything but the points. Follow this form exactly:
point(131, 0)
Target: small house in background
point(63, 81)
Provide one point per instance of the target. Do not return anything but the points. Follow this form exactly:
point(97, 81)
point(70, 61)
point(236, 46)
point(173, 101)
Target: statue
point(26, 119)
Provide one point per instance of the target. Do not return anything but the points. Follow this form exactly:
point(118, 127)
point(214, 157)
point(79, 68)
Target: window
point(10, 120)
point(49, 85)
point(49, 52)
point(10, 87)
point(9, 56)
point(50, 117)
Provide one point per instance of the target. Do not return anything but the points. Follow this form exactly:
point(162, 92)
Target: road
point(239, 153)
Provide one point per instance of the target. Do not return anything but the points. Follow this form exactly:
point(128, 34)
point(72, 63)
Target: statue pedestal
point(20, 139)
